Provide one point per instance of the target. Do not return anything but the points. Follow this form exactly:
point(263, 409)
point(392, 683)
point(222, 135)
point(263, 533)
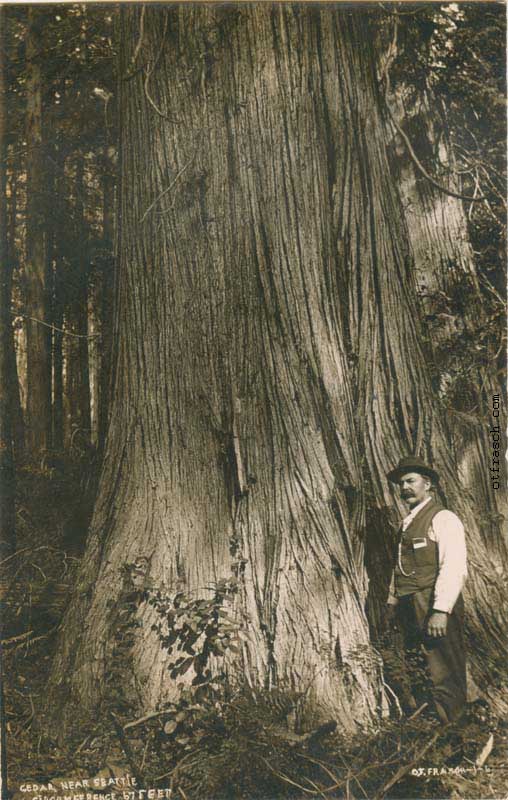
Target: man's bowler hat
point(412, 464)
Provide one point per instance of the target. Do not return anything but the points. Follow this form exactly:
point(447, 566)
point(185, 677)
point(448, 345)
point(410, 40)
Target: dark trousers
point(445, 656)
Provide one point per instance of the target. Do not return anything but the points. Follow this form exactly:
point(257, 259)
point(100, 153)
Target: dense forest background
point(440, 82)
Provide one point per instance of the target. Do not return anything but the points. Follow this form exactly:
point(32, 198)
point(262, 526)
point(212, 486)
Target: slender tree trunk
point(20, 350)
point(94, 355)
point(107, 297)
point(51, 251)
point(58, 302)
point(57, 392)
point(7, 475)
point(38, 416)
point(268, 363)
point(18, 427)
point(77, 382)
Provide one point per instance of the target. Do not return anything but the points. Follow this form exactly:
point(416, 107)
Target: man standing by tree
point(429, 573)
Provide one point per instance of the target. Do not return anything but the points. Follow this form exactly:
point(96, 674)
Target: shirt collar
point(414, 511)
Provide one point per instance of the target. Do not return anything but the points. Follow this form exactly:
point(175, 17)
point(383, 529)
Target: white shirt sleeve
point(448, 532)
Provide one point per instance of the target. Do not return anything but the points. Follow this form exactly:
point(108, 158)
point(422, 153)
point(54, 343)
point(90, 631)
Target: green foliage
point(197, 629)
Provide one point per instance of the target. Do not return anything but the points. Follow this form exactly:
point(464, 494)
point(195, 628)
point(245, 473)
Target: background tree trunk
point(77, 383)
point(107, 295)
point(38, 416)
point(268, 363)
point(452, 301)
point(18, 428)
point(57, 355)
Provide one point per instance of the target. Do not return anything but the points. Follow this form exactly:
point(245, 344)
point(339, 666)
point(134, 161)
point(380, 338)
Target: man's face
point(414, 488)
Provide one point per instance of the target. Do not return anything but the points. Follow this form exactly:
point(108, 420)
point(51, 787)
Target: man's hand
point(436, 626)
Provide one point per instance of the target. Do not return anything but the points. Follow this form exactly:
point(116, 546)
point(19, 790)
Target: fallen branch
point(14, 639)
point(25, 550)
point(42, 636)
point(395, 698)
point(418, 712)
point(407, 767)
point(129, 755)
point(486, 751)
point(174, 771)
point(334, 777)
point(316, 787)
point(168, 189)
point(54, 327)
point(146, 718)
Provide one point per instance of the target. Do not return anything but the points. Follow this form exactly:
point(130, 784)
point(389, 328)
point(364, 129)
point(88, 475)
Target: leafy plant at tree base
point(197, 630)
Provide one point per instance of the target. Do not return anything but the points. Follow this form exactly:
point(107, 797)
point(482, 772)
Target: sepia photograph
point(253, 401)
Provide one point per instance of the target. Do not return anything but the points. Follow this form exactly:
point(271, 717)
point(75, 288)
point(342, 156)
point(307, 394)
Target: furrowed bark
point(7, 473)
point(237, 452)
point(268, 363)
point(445, 268)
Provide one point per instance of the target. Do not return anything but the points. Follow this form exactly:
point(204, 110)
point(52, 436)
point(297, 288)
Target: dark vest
point(417, 554)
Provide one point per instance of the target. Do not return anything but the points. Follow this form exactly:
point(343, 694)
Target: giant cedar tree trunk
point(38, 416)
point(264, 279)
point(7, 487)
